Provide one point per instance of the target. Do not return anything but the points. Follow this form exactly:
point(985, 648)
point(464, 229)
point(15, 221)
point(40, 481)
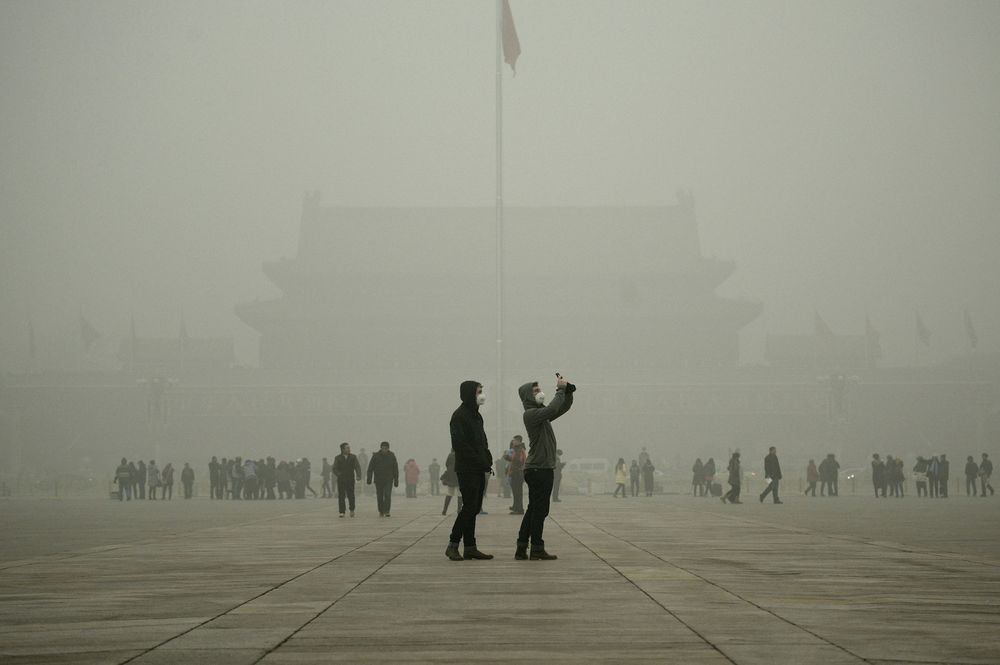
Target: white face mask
point(540, 397)
point(480, 399)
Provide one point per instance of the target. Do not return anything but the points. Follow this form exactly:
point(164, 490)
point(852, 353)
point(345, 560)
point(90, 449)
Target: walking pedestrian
point(167, 482)
point(621, 477)
point(943, 467)
point(812, 477)
point(187, 480)
point(326, 472)
point(971, 476)
point(735, 480)
point(434, 476)
point(698, 479)
point(878, 475)
point(411, 473)
point(557, 476)
point(772, 474)
point(347, 469)
point(450, 480)
point(515, 474)
point(709, 471)
point(152, 479)
point(647, 476)
point(985, 472)
point(124, 479)
point(384, 469)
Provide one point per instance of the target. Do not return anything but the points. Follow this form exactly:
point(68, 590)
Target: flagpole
point(498, 398)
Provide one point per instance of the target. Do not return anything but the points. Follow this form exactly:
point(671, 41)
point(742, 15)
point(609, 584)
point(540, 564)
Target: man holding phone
point(539, 467)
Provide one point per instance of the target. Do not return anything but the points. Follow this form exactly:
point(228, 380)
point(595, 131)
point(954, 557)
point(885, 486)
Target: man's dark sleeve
point(357, 468)
point(395, 470)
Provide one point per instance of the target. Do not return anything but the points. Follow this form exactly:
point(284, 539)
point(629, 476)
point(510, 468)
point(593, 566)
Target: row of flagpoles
point(921, 332)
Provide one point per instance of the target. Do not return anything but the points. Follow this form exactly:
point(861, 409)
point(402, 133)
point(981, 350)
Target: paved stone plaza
point(662, 580)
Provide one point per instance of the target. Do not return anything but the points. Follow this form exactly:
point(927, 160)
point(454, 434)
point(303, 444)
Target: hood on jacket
point(467, 392)
point(525, 392)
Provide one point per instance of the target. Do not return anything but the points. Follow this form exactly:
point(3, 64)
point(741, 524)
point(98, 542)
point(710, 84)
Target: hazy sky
point(152, 154)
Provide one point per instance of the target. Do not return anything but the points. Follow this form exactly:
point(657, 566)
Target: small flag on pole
point(872, 342)
point(32, 349)
point(132, 343)
point(822, 329)
point(970, 330)
point(183, 337)
point(923, 334)
point(88, 333)
point(511, 44)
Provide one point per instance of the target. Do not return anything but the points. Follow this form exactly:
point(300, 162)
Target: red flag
point(511, 44)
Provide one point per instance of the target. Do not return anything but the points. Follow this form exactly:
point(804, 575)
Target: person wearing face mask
point(473, 461)
point(539, 467)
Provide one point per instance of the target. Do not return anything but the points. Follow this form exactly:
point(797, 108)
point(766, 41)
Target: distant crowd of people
point(141, 481)
point(641, 469)
point(931, 477)
point(269, 479)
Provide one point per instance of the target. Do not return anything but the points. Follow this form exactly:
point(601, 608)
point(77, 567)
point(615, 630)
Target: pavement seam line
point(336, 600)
point(273, 588)
point(722, 588)
point(895, 547)
point(643, 591)
point(101, 549)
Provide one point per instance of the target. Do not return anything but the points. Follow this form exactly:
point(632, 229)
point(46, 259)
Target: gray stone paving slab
point(668, 579)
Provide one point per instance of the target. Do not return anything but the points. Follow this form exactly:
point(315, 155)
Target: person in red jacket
point(411, 472)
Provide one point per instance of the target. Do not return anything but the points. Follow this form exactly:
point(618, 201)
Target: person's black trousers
point(517, 488)
point(539, 494)
point(383, 495)
point(345, 490)
point(188, 489)
point(471, 485)
point(772, 488)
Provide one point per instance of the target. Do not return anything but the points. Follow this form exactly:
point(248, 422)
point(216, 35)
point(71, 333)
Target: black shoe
point(521, 553)
point(779, 501)
point(452, 552)
point(388, 515)
point(542, 555)
point(473, 553)
point(341, 514)
point(762, 498)
point(517, 512)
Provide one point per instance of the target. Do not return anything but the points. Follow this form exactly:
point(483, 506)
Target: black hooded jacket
point(468, 436)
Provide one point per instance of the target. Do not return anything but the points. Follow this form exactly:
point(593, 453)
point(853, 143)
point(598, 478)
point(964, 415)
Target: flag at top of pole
point(511, 44)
